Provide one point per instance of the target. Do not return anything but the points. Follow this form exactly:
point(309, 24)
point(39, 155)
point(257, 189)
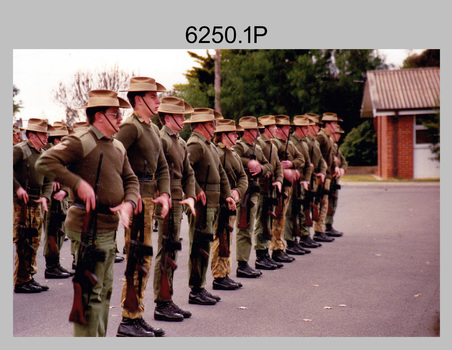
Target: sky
point(38, 72)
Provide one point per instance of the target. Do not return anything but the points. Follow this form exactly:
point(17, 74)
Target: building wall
point(385, 130)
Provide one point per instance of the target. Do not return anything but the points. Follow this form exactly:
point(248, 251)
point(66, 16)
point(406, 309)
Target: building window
point(422, 134)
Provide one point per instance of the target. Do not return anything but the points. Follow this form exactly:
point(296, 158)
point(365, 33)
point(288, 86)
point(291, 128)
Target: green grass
point(355, 178)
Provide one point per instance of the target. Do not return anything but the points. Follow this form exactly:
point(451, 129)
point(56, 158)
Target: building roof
point(407, 91)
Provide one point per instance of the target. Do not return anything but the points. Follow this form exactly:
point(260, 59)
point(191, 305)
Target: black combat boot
point(330, 231)
point(185, 313)
point(272, 261)
point(165, 312)
point(54, 270)
point(224, 284)
point(292, 248)
point(322, 237)
point(262, 262)
point(308, 242)
point(245, 270)
point(133, 328)
point(280, 256)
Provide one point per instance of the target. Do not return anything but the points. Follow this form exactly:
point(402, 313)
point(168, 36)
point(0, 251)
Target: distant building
point(398, 100)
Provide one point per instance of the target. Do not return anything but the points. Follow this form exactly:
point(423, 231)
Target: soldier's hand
point(59, 196)
point(86, 193)
point(202, 197)
point(56, 186)
point(286, 164)
point(278, 185)
point(139, 207)
point(190, 201)
point(235, 194)
point(43, 201)
point(22, 194)
point(305, 185)
point(321, 178)
point(254, 166)
point(165, 201)
point(125, 211)
point(231, 203)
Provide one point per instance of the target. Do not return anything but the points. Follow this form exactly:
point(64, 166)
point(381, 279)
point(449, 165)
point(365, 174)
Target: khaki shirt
point(202, 153)
point(76, 158)
point(176, 154)
point(302, 147)
point(271, 153)
point(25, 156)
point(142, 142)
point(326, 147)
point(315, 155)
point(293, 154)
point(337, 153)
point(233, 166)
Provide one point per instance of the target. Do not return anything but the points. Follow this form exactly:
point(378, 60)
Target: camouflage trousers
point(319, 226)
point(277, 242)
point(52, 246)
point(176, 211)
point(25, 265)
point(221, 266)
point(147, 264)
point(97, 302)
point(197, 263)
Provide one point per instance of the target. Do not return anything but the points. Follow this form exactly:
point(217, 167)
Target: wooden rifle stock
point(88, 255)
point(224, 230)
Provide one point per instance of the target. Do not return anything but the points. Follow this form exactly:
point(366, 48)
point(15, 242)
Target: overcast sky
point(38, 72)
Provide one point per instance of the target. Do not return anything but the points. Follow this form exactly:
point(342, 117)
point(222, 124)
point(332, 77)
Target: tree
point(17, 105)
point(75, 93)
point(360, 145)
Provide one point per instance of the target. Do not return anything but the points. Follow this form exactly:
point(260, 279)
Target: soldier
point(341, 164)
point(269, 187)
point(211, 184)
point(225, 139)
point(291, 161)
point(171, 115)
point(17, 136)
point(295, 215)
point(256, 166)
point(326, 147)
point(76, 163)
point(54, 218)
point(141, 139)
point(31, 194)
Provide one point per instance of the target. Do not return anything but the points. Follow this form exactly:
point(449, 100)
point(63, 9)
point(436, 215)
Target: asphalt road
point(381, 279)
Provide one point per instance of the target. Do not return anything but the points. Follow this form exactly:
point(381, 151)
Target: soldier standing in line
point(340, 164)
point(225, 138)
point(326, 147)
point(55, 216)
point(76, 163)
point(31, 194)
point(269, 187)
point(256, 166)
point(141, 139)
point(171, 115)
point(291, 161)
point(301, 125)
point(211, 184)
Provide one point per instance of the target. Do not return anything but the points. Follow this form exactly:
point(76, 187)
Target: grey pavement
point(381, 279)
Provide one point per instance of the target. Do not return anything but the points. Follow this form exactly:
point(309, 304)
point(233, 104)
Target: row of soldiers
point(255, 176)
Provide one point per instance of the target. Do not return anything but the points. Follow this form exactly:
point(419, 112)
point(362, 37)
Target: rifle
point(279, 209)
point(54, 229)
point(332, 195)
point(253, 187)
point(224, 230)
point(169, 246)
point(269, 200)
point(135, 259)
point(88, 256)
point(201, 238)
point(25, 232)
point(296, 209)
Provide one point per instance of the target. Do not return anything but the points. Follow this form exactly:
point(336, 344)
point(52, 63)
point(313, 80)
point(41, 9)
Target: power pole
point(217, 81)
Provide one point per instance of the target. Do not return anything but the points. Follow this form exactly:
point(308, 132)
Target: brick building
point(398, 101)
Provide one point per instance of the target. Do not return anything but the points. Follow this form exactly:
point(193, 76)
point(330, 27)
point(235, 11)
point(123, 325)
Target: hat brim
point(138, 88)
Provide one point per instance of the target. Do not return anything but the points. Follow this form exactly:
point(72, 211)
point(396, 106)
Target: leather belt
point(145, 176)
point(100, 208)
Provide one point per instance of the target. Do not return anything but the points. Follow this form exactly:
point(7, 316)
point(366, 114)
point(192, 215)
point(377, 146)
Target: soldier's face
point(152, 101)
